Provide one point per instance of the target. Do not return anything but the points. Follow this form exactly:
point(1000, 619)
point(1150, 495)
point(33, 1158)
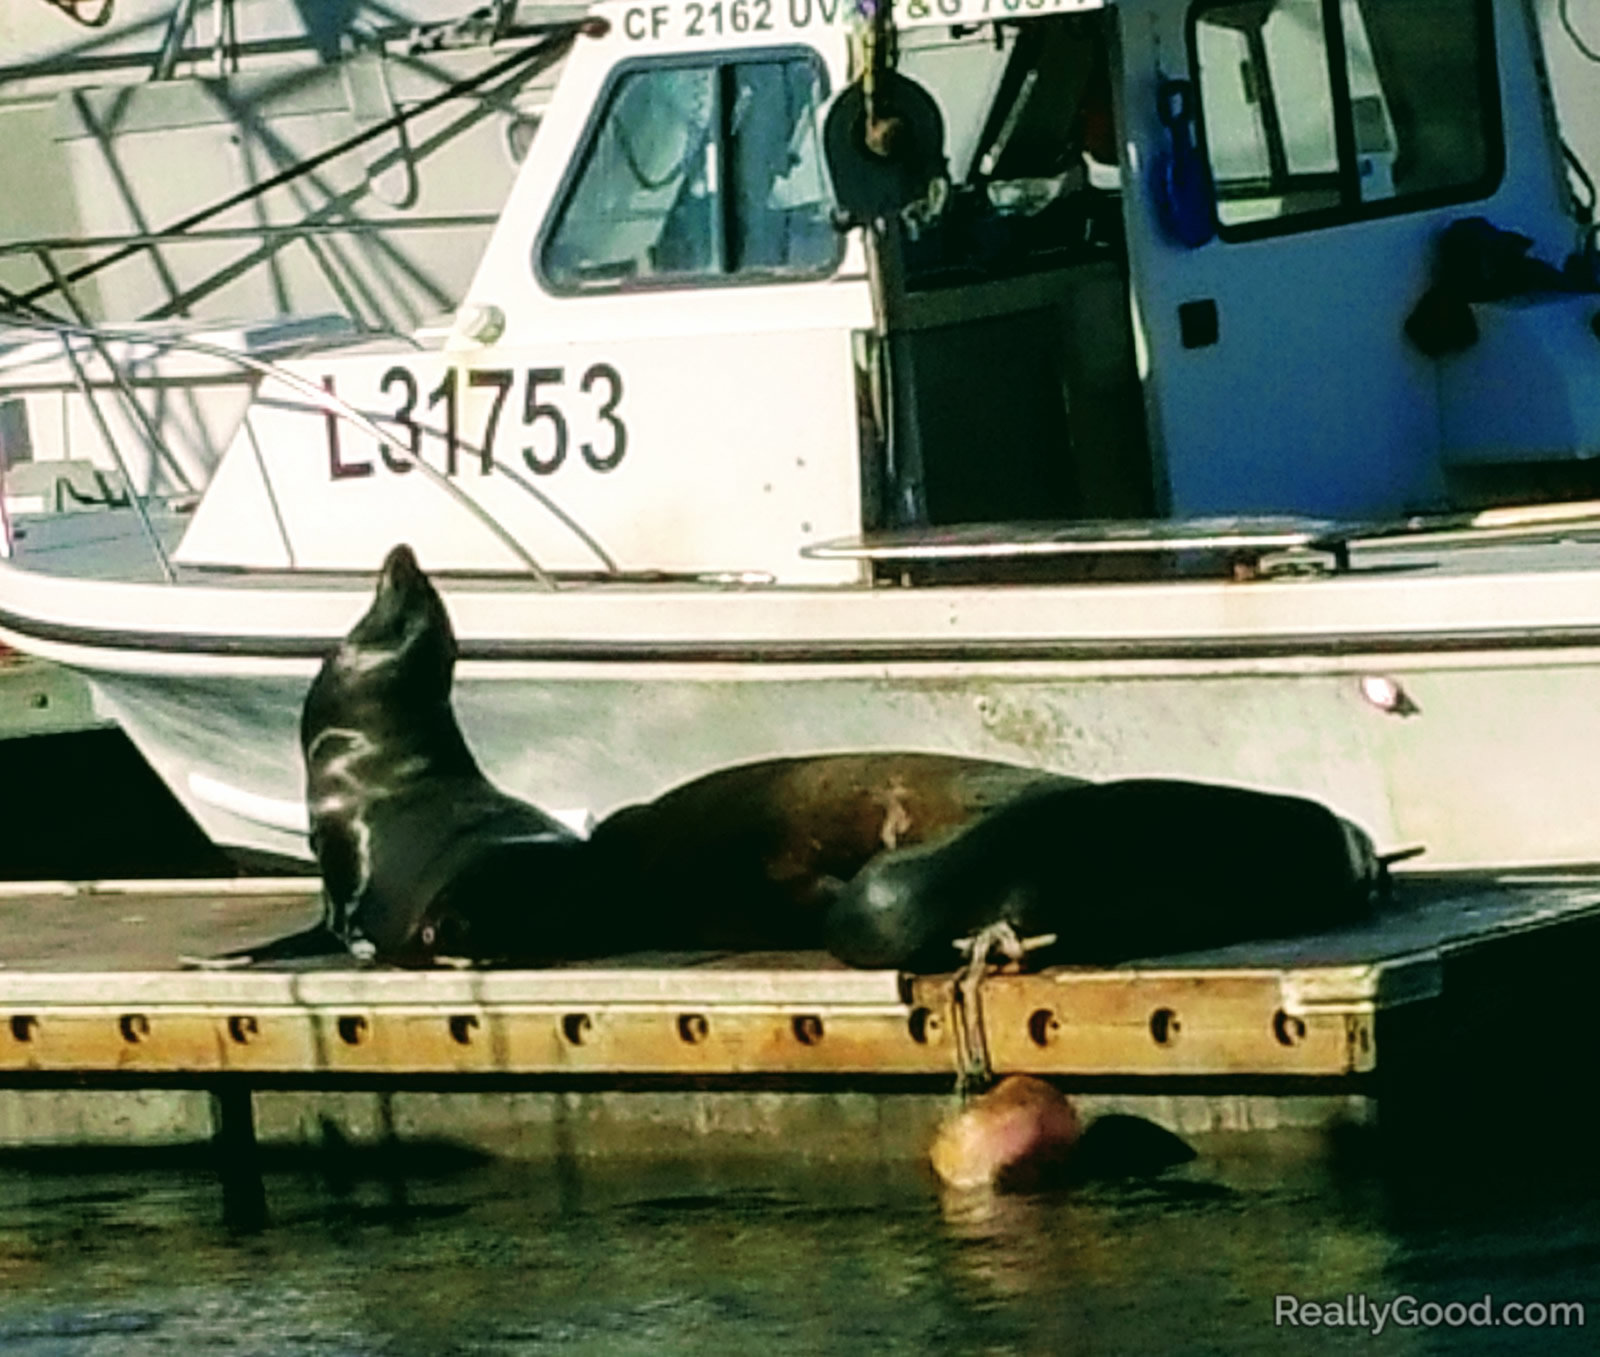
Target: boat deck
point(111, 545)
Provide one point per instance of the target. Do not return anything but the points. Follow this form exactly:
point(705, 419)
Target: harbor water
point(434, 1251)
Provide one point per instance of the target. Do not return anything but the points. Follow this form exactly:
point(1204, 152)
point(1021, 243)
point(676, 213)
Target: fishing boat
point(1131, 389)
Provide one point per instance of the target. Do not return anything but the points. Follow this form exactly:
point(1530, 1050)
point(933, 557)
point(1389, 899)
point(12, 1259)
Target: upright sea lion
point(1115, 870)
point(749, 857)
point(420, 854)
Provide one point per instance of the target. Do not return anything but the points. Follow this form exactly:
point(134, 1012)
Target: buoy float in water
point(1009, 1137)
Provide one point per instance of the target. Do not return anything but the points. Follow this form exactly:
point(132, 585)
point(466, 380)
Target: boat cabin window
point(698, 173)
point(1316, 111)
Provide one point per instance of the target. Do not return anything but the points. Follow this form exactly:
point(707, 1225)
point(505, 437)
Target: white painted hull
point(740, 412)
point(1496, 769)
point(1496, 766)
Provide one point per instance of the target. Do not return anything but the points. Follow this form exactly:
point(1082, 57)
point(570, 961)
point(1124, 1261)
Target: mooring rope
point(974, 1066)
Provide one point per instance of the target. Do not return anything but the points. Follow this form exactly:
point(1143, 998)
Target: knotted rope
point(974, 1070)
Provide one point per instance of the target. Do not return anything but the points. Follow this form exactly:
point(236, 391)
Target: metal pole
point(238, 1159)
point(172, 44)
point(159, 452)
point(134, 497)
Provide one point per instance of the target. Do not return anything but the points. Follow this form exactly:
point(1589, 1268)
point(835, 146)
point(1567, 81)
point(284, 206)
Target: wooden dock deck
point(93, 981)
point(1458, 977)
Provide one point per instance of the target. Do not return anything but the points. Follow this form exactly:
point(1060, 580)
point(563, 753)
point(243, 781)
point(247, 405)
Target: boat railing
point(76, 338)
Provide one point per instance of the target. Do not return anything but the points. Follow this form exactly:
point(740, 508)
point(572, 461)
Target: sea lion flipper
point(317, 941)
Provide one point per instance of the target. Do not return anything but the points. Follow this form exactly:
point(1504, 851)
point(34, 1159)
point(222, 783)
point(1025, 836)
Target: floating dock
point(105, 1036)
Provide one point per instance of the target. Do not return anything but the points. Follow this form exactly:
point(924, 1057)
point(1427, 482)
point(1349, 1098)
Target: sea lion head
point(395, 664)
point(894, 914)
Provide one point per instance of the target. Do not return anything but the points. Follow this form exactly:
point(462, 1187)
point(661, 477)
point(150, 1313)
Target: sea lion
point(420, 854)
point(749, 857)
point(1115, 870)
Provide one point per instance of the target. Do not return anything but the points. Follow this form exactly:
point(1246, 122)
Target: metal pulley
point(884, 135)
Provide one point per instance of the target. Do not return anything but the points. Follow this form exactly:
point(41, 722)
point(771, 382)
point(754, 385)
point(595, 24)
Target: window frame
point(588, 138)
point(1347, 172)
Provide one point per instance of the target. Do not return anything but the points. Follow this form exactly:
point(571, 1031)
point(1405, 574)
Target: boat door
point(1339, 138)
point(1012, 391)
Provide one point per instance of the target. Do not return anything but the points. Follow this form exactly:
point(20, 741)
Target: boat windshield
point(699, 172)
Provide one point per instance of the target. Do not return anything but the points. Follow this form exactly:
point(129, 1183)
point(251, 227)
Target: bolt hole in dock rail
point(1164, 1027)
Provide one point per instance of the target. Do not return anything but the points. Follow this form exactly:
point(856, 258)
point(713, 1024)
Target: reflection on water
point(447, 1256)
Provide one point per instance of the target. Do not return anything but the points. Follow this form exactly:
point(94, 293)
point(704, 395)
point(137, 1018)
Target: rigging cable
point(1565, 10)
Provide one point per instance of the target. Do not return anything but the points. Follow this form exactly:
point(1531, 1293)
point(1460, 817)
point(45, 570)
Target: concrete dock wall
point(845, 1126)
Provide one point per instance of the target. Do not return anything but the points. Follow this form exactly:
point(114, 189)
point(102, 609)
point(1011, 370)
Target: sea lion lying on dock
point(422, 857)
point(1115, 870)
point(749, 857)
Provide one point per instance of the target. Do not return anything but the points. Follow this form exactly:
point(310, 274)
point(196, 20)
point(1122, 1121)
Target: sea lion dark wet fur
point(749, 857)
point(1116, 870)
point(420, 854)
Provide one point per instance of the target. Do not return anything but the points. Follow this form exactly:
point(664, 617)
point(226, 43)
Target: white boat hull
point(1443, 696)
point(1495, 766)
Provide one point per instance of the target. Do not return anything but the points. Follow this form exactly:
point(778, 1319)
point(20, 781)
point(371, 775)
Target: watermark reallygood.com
point(1360, 1311)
